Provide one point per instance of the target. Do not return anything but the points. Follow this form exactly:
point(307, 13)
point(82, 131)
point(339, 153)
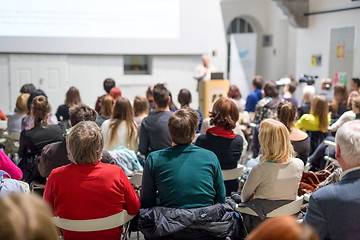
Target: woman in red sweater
point(87, 188)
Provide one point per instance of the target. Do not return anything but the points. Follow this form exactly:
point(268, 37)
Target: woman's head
point(141, 106)
point(107, 104)
point(224, 114)
point(26, 217)
point(234, 92)
point(21, 103)
point(72, 97)
point(275, 142)
point(182, 125)
point(122, 109)
point(33, 94)
point(40, 109)
point(356, 104)
point(184, 97)
point(271, 89)
point(115, 93)
point(85, 143)
point(340, 96)
point(352, 95)
point(287, 113)
point(319, 107)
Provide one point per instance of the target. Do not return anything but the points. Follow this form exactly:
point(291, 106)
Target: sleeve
point(343, 118)
point(205, 125)
point(252, 182)
point(316, 218)
point(48, 192)
point(143, 140)
point(250, 103)
point(303, 122)
point(107, 158)
point(219, 185)
point(148, 187)
point(8, 166)
point(42, 161)
point(132, 202)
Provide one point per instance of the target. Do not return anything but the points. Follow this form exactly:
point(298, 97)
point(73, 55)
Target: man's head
point(79, 113)
point(182, 125)
point(149, 93)
point(326, 83)
point(348, 145)
point(257, 82)
point(108, 83)
point(161, 96)
point(206, 60)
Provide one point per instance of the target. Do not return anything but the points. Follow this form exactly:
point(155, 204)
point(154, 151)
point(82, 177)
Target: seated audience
point(141, 109)
point(32, 141)
point(107, 105)
point(256, 95)
point(326, 90)
point(108, 84)
point(120, 130)
point(235, 96)
point(154, 133)
point(26, 217)
point(221, 139)
point(185, 98)
point(334, 209)
point(14, 119)
point(88, 188)
point(55, 155)
point(308, 94)
point(72, 98)
point(289, 89)
point(339, 103)
point(267, 107)
point(299, 139)
point(115, 93)
point(9, 167)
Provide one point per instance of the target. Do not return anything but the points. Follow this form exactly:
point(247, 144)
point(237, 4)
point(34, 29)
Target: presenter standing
point(203, 71)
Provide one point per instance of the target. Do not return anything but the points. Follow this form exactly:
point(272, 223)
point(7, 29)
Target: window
point(137, 64)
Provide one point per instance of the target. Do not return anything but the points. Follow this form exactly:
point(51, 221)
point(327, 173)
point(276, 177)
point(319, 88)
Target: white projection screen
point(101, 26)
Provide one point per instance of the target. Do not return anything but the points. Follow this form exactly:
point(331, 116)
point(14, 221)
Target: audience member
point(9, 167)
point(14, 119)
point(256, 95)
point(107, 105)
point(27, 88)
point(55, 155)
point(299, 139)
point(172, 105)
point(289, 89)
point(355, 85)
point(221, 139)
point(150, 97)
point(185, 98)
point(32, 141)
point(72, 98)
point(267, 107)
point(235, 96)
point(141, 109)
point(326, 91)
point(154, 133)
point(115, 93)
point(308, 94)
point(26, 217)
point(339, 103)
point(349, 115)
point(88, 188)
point(120, 130)
point(333, 210)
point(108, 84)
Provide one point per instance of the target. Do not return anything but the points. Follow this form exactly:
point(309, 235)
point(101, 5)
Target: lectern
point(209, 92)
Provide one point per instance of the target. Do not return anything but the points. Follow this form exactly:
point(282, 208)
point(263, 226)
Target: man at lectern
point(203, 71)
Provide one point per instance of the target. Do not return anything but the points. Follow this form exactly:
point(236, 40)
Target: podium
point(209, 92)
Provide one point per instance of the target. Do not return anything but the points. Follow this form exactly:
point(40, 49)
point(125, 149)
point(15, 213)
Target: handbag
point(310, 180)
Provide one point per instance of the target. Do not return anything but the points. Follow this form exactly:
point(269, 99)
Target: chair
point(12, 143)
point(327, 158)
point(136, 179)
point(234, 173)
point(316, 138)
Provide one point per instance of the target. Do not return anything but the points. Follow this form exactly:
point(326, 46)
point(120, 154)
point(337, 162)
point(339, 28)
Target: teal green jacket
point(182, 176)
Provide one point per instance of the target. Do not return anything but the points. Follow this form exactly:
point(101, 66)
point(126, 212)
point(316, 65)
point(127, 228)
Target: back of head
point(340, 93)
point(79, 113)
point(234, 92)
point(184, 97)
point(271, 89)
point(72, 97)
point(182, 125)
point(27, 88)
point(275, 142)
point(309, 92)
point(21, 102)
point(356, 102)
point(258, 82)
point(85, 143)
point(161, 95)
point(108, 83)
point(141, 105)
point(26, 217)
point(115, 93)
point(292, 86)
point(224, 114)
point(107, 104)
point(282, 228)
point(356, 81)
point(149, 92)
point(33, 94)
point(319, 107)
point(286, 113)
point(40, 108)
point(348, 139)
point(326, 83)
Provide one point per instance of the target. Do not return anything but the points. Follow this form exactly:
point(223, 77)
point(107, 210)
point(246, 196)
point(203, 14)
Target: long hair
point(286, 113)
point(319, 107)
point(123, 112)
point(107, 104)
point(72, 97)
point(340, 97)
point(275, 141)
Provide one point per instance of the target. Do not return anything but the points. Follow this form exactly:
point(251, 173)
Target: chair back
point(288, 209)
point(316, 138)
point(234, 173)
point(136, 179)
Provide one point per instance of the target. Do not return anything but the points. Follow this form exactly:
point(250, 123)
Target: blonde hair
point(319, 107)
point(275, 142)
point(21, 102)
point(26, 217)
point(107, 104)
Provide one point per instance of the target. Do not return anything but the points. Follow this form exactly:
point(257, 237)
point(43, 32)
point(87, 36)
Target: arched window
point(239, 25)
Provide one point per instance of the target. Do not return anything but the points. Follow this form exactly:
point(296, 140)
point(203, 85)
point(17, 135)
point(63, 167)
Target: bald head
point(206, 60)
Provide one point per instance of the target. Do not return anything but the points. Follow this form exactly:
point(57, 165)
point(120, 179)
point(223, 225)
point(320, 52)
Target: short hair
point(309, 92)
point(108, 84)
point(234, 92)
point(21, 102)
point(271, 89)
point(356, 81)
point(40, 108)
point(161, 95)
point(275, 141)
point(27, 88)
point(72, 97)
point(258, 81)
point(141, 105)
point(85, 143)
point(184, 97)
point(348, 139)
point(182, 125)
point(79, 113)
point(286, 113)
point(356, 102)
point(224, 114)
point(319, 107)
point(292, 86)
point(107, 104)
point(115, 93)
point(27, 217)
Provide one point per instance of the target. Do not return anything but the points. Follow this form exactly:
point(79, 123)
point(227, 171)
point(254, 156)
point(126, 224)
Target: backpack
point(8, 185)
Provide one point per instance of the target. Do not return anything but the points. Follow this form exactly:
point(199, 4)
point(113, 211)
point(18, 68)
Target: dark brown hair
point(40, 108)
point(340, 97)
point(258, 82)
point(184, 97)
point(292, 87)
point(109, 83)
point(224, 113)
point(271, 89)
point(141, 105)
point(182, 125)
point(72, 97)
point(161, 95)
point(234, 92)
point(80, 113)
point(286, 113)
point(107, 104)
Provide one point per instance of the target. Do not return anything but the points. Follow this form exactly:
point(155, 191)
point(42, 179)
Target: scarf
point(221, 132)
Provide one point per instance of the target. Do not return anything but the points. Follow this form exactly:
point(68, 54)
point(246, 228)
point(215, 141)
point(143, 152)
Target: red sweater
point(89, 191)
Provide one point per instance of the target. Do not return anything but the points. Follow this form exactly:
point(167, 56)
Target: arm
point(315, 217)
point(252, 182)
point(23, 144)
point(250, 104)
point(219, 185)
point(42, 161)
point(302, 123)
point(8, 166)
point(199, 73)
point(148, 187)
point(132, 202)
point(143, 140)
point(48, 195)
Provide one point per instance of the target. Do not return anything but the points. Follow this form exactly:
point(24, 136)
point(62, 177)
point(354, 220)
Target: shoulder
point(298, 163)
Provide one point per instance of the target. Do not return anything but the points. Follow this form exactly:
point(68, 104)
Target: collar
point(348, 171)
